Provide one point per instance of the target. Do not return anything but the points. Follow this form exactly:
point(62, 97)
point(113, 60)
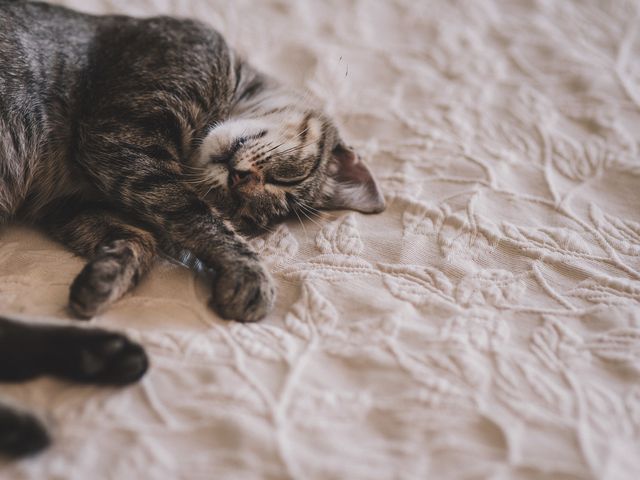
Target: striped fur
point(125, 137)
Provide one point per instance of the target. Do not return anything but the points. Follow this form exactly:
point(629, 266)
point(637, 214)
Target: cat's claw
point(244, 292)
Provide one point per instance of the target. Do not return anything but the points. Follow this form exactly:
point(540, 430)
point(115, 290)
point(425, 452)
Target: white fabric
point(487, 325)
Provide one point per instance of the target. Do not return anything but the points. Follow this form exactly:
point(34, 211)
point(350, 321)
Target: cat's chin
point(249, 229)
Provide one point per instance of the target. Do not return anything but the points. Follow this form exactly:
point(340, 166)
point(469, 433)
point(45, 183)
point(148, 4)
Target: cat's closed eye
point(291, 172)
point(287, 174)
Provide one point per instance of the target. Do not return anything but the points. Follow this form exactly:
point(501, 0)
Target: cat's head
point(262, 169)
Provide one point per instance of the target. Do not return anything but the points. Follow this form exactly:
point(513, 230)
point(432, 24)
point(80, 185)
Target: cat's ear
point(355, 187)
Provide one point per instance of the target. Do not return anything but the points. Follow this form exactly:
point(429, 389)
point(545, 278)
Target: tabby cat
point(126, 138)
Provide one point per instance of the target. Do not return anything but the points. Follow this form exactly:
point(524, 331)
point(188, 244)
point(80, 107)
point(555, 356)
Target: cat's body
point(126, 137)
point(66, 75)
point(123, 137)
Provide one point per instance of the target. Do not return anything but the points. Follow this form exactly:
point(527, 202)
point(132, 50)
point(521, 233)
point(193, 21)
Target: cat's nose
point(241, 177)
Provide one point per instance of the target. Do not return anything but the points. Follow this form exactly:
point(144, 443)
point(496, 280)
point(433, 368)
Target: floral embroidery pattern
point(486, 325)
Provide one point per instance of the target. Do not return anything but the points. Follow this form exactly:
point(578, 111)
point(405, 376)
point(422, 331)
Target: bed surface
point(486, 325)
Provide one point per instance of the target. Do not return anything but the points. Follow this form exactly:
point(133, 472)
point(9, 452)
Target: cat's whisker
point(196, 168)
point(316, 213)
point(310, 218)
point(296, 148)
point(210, 188)
point(195, 180)
point(300, 134)
point(262, 226)
point(282, 143)
point(194, 176)
point(272, 149)
point(304, 229)
point(307, 214)
point(312, 210)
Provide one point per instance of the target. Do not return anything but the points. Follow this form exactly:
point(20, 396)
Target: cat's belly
point(52, 178)
point(34, 165)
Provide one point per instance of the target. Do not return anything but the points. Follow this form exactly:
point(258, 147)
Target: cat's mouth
point(250, 229)
point(251, 222)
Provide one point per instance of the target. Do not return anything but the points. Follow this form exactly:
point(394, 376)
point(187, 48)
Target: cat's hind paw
point(244, 292)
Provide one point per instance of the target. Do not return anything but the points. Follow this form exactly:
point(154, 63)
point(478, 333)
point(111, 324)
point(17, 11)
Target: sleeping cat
point(125, 138)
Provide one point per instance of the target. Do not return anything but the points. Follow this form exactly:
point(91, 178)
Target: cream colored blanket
point(486, 326)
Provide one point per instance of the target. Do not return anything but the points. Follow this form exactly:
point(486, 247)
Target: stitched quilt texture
point(486, 325)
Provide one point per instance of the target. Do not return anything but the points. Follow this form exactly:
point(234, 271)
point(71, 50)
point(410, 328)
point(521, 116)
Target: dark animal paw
point(21, 434)
point(100, 357)
point(244, 292)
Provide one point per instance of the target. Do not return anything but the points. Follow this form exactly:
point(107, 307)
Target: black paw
point(99, 357)
point(244, 292)
point(21, 434)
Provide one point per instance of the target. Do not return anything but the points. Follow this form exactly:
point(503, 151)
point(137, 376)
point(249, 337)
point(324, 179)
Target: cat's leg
point(83, 355)
point(21, 434)
point(155, 192)
point(119, 253)
point(80, 354)
point(243, 288)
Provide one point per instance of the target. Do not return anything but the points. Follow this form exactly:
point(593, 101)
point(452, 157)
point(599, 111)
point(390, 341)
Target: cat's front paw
point(98, 357)
point(244, 292)
point(94, 288)
point(104, 279)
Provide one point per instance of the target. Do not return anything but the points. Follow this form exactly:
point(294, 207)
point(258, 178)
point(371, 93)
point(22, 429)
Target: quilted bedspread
point(485, 326)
